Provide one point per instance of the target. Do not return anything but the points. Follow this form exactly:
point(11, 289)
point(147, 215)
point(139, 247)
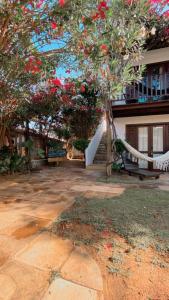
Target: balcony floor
point(140, 109)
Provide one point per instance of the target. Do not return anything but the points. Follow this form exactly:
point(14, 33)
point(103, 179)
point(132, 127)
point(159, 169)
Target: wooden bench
point(133, 169)
point(143, 173)
point(56, 157)
point(56, 160)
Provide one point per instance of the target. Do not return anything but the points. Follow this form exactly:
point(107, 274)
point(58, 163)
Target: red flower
point(69, 85)
point(102, 14)
point(104, 47)
point(53, 90)
point(82, 89)
point(96, 16)
point(166, 14)
point(61, 2)
point(39, 62)
point(103, 5)
point(65, 98)
point(56, 82)
point(54, 25)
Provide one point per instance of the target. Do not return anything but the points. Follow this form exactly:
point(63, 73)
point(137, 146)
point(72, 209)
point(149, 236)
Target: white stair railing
point(90, 151)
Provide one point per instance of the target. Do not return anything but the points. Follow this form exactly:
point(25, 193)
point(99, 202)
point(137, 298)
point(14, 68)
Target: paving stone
point(117, 190)
point(7, 218)
point(61, 289)
point(82, 269)
point(24, 227)
point(46, 252)
point(164, 188)
point(21, 282)
point(7, 287)
point(9, 246)
point(49, 211)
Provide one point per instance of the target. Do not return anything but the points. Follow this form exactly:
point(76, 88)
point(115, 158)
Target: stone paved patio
point(35, 264)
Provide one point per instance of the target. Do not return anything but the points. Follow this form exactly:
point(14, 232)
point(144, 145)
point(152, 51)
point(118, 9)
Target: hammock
point(161, 162)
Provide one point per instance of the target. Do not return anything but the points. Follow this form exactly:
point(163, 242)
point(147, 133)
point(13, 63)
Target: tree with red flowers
point(108, 39)
point(81, 108)
point(25, 28)
point(103, 37)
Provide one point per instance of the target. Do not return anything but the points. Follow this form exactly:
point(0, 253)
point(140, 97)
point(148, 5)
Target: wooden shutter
point(166, 138)
point(132, 135)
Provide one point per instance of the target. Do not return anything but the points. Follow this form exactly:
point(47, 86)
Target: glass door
point(143, 145)
point(157, 141)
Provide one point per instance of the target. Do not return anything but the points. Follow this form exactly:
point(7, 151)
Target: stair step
point(103, 143)
point(97, 162)
point(98, 167)
point(101, 153)
point(102, 147)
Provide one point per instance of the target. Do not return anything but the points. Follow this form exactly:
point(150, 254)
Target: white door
point(158, 141)
point(143, 145)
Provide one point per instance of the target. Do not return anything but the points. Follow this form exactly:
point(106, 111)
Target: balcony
point(149, 96)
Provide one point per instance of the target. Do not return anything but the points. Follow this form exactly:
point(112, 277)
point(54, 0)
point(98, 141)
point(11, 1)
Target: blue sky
point(60, 71)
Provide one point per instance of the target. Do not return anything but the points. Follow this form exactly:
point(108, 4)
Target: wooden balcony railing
point(149, 89)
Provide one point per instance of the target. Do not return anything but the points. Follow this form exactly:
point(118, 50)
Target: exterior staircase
point(100, 157)
point(99, 162)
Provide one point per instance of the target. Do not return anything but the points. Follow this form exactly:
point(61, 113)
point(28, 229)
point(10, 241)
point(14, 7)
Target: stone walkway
point(35, 264)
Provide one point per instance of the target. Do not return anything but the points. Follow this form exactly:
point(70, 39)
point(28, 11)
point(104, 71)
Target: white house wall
point(120, 123)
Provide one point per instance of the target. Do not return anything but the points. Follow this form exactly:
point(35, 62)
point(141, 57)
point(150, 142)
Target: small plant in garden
point(11, 162)
point(116, 166)
point(81, 145)
point(119, 147)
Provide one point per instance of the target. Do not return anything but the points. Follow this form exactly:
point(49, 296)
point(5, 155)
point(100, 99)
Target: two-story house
point(141, 114)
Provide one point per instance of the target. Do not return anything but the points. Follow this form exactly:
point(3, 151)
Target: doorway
point(151, 143)
point(149, 140)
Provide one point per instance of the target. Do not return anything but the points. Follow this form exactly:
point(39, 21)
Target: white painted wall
point(90, 151)
point(120, 123)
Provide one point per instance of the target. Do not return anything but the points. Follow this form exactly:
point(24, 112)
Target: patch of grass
point(159, 263)
point(113, 270)
point(141, 216)
point(126, 179)
point(116, 259)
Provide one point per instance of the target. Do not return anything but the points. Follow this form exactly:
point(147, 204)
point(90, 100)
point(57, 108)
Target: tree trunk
point(27, 150)
point(108, 138)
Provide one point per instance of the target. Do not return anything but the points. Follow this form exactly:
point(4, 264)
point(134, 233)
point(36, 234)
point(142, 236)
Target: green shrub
point(4, 152)
point(120, 148)
point(116, 166)
point(63, 133)
point(81, 144)
point(55, 145)
point(17, 162)
point(11, 162)
point(41, 153)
